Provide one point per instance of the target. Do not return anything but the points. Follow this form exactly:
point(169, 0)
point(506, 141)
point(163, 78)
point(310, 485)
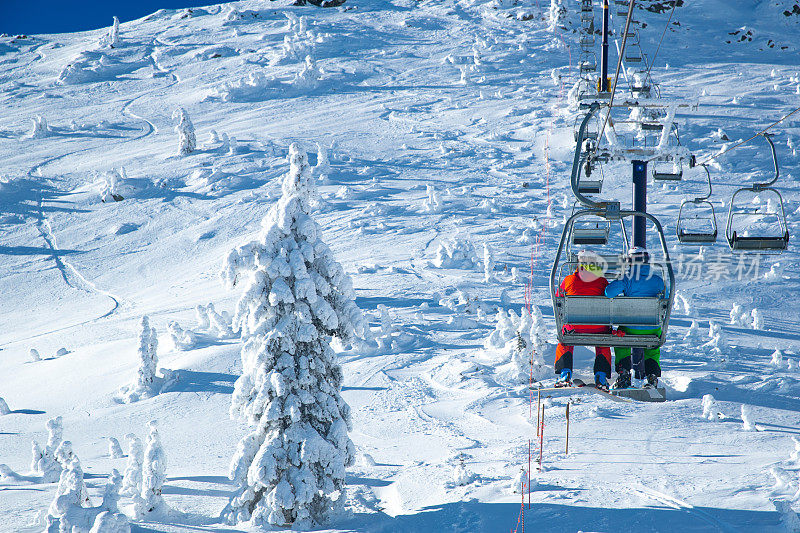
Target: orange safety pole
point(538, 411)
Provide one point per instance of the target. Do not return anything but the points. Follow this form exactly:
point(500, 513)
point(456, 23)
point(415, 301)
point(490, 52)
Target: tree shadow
point(196, 381)
point(479, 517)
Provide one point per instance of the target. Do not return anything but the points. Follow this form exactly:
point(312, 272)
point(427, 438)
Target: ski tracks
point(69, 273)
point(682, 505)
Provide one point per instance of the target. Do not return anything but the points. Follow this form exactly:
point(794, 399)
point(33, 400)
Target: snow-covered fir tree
point(70, 512)
point(154, 473)
point(39, 128)
point(114, 449)
point(187, 142)
point(4, 410)
point(145, 384)
point(488, 263)
point(181, 339)
point(290, 469)
point(132, 480)
point(44, 461)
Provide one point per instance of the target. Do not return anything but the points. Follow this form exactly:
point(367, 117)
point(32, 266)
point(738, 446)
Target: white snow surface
point(418, 165)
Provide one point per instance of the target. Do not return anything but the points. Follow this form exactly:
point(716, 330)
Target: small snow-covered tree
point(132, 480)
point(4, 410)
point(114, 449)
point(71, 489)
point(758, 319)
point(323, 166)
point(154, 474)
point(290, 469)
point(309, 75)
point(35, 355)
point(144, 385)
point(111, 38)
point(70, 513)
point(47, 464)
point(710, 410)
point(187, 142)
point(747, 418)
point(109, 522)
point(488, 263)
point(39, 128)
point(181, 339)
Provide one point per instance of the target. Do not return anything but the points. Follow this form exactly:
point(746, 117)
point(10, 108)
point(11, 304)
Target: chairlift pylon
point(777, 242)
point(694, 236)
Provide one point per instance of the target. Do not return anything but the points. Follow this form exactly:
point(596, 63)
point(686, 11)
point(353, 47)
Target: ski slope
point(466, 97)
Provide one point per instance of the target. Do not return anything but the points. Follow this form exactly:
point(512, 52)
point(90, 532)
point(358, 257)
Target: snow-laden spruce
point(71, 510)
point(111, 39)
point(154, 474)
point(291, 468)
point(518, 343)
point(4, 410)
point(114, 449)
point(132, 480)
point(39, 128)
point(187, 142)
point(146, 384)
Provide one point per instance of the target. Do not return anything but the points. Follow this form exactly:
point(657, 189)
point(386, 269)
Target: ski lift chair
point(638, 312)
point(590, 232)
point(592, 129)
point(589, 185)
point(693, 235)
point(633, 58)
point(776, 242)
point(674, 173)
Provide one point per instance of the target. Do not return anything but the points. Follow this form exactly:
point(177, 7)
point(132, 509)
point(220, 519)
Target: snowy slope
point(457, 95)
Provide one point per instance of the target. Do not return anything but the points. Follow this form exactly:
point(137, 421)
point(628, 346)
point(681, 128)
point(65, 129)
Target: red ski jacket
point(573, 285)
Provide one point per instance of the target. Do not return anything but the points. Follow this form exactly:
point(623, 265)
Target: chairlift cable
point(740, 143)
point(652, 61)
point(616, 75)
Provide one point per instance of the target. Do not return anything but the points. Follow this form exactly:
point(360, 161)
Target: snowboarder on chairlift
point(587, 280)
point(638, 280)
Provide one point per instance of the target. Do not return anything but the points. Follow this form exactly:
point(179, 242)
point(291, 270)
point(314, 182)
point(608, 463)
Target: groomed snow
point(441, 137)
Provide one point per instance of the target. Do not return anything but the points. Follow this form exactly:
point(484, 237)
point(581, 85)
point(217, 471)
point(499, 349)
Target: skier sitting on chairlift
point(587, 280)
point(637, 281)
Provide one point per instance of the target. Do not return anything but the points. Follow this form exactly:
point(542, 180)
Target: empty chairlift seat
point(673, 172)
point(591, 233)
point(768, 230)
point(698, 223)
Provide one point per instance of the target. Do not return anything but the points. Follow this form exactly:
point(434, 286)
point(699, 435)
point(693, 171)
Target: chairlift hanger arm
point(707, 196)
point(759, 186)
point(576, 164)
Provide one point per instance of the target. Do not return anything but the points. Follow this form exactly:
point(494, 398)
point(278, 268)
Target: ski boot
point(601, 381)
point(565, 379)
point(623, 379)
point(652, 381)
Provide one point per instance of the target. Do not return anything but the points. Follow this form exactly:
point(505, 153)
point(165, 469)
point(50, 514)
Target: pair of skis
point(618, 395)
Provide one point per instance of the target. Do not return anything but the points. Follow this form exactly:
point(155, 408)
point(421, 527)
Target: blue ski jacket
point(637, 281)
